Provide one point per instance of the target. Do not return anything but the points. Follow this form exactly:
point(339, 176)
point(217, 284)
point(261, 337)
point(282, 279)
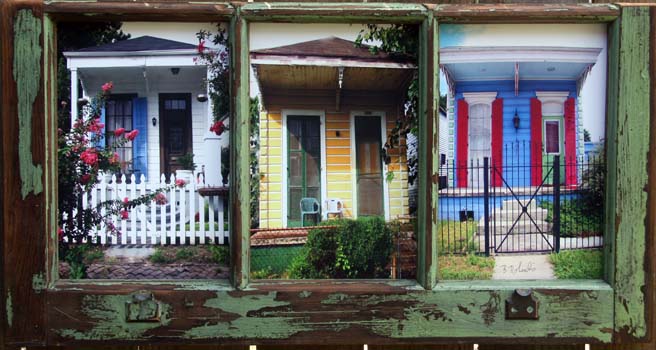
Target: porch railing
point(187, 217)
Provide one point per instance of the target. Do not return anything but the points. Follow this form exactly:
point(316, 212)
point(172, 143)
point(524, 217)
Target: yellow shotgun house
point(328, 110)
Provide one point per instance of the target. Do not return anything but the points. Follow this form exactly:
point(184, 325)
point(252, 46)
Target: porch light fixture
point(154, 120)
point(201, 98)
point(175, 70)
point(516, 120)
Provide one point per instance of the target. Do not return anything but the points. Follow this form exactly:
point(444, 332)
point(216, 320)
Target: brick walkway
point(151, 271)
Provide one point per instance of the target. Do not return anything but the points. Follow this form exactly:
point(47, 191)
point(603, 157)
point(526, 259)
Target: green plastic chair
point(309, 206)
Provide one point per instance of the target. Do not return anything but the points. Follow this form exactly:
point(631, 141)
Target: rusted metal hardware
point(522, 305)
point(142, 308)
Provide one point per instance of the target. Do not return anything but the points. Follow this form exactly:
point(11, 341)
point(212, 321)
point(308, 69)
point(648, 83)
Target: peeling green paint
point(632, 147)
point(304, 294)
point(38, 282)
point(109, 312)
point(249, 325)
point(10, 310)
point(27, 74)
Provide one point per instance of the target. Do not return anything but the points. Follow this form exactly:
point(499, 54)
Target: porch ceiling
point(533, 63)
point(296, 77)
point(130, 79)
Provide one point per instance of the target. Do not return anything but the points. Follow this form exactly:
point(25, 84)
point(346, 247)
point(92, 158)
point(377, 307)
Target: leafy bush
point(353, 249)
point(184, 253)
point(220, 254)
point(160, 258)
point(576, 218)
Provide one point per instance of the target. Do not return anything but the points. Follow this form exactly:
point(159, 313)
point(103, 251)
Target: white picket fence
point(175, 222)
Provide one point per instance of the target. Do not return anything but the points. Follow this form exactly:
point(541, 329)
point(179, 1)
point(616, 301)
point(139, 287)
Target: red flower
point(161, 199)
point(89, 156)
point(107, 87)
point(180, 182)
point(113, 159)
point(218, 128)
point(96, 125)
point(118, 132)
point(201, 46)
point(84, 179)
point(132, 135)
point(197, 217)
point(60, 233)
point(124, 214)
point(126, 200)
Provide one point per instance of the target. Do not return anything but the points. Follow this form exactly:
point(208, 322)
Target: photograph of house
point(328, 107)
point(157, 81)
point(521, 98)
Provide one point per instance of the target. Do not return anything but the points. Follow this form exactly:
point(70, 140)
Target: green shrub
point(184, 253)
point(353, 249)
point(275, 258)
point(576, 218)
point(220, 254)
point(159, 257)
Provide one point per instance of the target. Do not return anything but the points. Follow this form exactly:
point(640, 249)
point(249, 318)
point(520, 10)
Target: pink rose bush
point(82, 156)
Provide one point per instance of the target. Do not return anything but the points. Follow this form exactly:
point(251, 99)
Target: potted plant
point(188, 166)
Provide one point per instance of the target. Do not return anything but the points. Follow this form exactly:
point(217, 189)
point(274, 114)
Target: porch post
point(74, 96)
point(212, 144)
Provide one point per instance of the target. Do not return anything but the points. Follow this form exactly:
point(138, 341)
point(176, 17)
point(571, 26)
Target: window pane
point(552, 137)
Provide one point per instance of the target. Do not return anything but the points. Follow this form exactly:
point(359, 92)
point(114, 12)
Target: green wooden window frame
point(37, 309)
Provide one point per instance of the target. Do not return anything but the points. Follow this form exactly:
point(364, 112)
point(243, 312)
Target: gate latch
point(522, 305)
point(142, 308)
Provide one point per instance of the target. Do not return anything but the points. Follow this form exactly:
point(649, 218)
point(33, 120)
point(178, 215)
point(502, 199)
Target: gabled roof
point(331, 47)
point(143, 45)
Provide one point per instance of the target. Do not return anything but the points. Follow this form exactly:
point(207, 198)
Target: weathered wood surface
point(427, 222)
point(302, 313)
point(22, 243)
point(160, 10)
point(239, 202)
point(526, 13)
point(385, 312)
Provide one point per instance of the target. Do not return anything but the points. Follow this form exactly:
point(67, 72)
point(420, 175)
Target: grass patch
point(465, 267)
point(457, 236)
point(578, 264)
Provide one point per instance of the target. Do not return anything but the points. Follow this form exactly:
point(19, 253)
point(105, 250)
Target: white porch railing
point(186, 218)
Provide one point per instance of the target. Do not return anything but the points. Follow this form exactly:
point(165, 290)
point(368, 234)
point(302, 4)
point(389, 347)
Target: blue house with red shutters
point(518, 107)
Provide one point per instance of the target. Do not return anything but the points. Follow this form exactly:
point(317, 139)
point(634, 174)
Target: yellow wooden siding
point(340, 176)
point(271, 176)
point(339, 183)
point(397, 189)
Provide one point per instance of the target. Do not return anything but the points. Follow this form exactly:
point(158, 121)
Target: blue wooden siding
point(518, 139)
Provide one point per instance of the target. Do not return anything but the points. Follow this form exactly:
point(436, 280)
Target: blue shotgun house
point(519, 107)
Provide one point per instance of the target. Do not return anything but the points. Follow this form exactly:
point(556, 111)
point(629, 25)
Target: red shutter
point(462, 142)
point(536, 142)
point(570, 142)
point(497, 142)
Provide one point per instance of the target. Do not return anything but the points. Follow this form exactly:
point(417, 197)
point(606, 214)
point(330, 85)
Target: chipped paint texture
point(10, 310)
point(38, 282)
point(631, 172)
point(27, 74)
point(109, 315)
point(258, 318)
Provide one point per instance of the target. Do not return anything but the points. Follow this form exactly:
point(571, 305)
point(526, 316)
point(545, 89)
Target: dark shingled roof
point(142, 43)
point(331, 47)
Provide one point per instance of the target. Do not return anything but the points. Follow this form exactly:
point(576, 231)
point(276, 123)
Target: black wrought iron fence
point(522, 204)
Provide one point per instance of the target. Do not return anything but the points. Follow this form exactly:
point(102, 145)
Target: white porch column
point(212, 145)
point(74, 96)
